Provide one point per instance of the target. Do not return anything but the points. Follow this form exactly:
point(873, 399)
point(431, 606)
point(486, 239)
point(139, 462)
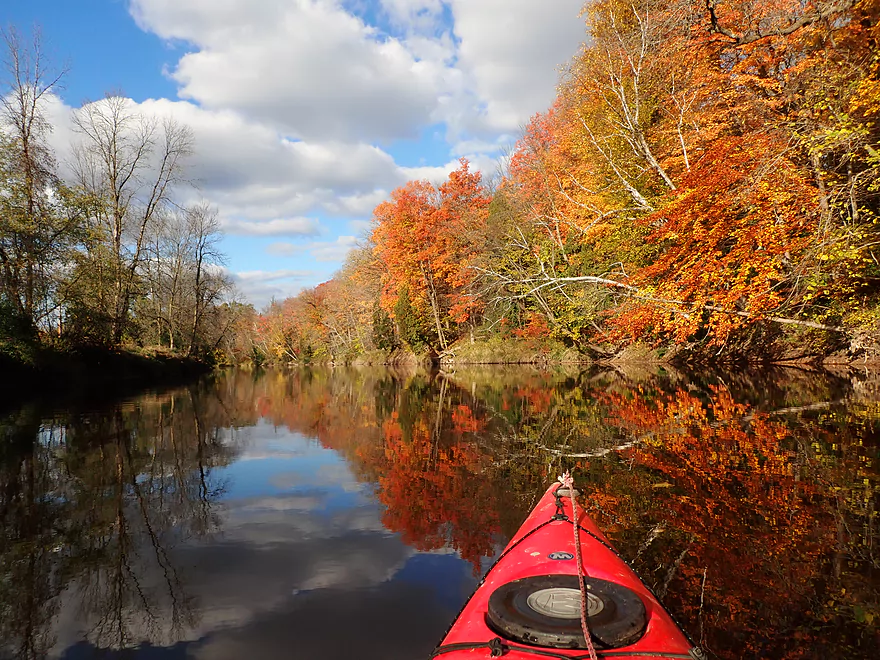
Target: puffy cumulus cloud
point(253, 172)
point(276, 227)
point(509, 49)
point(289, 99)
point(487, 164)
point(480, 66)
point(359, 205)
point(62, 135)
point(260, 286)
point(307, 67)
point(262, 183)
point(434, 174)
point(328, 251)
point(413, 14)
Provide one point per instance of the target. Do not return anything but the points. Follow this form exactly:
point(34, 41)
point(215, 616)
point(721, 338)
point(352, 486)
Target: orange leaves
point(463, 421)
point(535, 328)
point(425, 237)
point(717, 160)
point(758, 506)
point(727, 239)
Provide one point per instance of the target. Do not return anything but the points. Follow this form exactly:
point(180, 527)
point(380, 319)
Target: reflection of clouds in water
point(338, 475)
point(295, 522)
point(287, 519)
point(251, 455)
point(272, 551)
point(341, 475)
point(265, 441)
point(293, 502)
point(272, 548)
point(277, 460)
point(301, 550)
point(337, 624)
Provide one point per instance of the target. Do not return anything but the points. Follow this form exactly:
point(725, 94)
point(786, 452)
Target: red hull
point(527, 555)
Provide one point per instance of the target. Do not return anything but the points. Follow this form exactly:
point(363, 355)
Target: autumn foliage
point(707, 176)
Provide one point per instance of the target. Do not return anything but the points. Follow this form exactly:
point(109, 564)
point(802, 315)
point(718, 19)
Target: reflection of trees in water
point(748, 501)
point(93, 505)
point(757, 524)
point(30, 512)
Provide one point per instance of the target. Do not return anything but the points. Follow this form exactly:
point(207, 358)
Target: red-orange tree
point(425, 236)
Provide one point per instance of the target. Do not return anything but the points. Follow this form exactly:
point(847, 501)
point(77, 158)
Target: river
point(348, 513)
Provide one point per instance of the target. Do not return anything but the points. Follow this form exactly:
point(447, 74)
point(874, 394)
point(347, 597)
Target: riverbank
point(33, 368)
point(792, 349)
point(762, 345)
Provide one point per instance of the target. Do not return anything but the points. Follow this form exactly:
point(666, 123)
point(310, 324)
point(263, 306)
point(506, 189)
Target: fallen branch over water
point(537, 283)
point(600, 453)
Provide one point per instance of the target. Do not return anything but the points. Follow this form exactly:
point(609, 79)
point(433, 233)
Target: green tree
point(40, 217)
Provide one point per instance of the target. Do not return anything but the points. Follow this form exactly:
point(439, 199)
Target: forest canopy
point(707, 177)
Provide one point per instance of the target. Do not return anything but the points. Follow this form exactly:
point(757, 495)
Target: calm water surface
point(349, 513)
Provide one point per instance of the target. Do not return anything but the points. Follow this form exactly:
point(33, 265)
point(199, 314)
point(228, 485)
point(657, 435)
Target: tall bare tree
point(184, 280)
point(129, 163)
point(209, 281)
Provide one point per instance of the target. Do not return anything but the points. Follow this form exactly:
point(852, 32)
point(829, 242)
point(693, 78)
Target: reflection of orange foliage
point(463, 421)
point(430, 473)
point(538, 398)
point(733, 494)
point(435, 493)
point(777, 515)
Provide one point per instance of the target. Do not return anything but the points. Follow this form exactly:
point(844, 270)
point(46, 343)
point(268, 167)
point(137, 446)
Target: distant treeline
point(104, 256)
point(706, 178)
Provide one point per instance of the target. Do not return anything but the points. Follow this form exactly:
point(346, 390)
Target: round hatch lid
point(545, 610)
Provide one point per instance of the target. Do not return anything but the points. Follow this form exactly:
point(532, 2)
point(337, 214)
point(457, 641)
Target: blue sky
point(307, 113)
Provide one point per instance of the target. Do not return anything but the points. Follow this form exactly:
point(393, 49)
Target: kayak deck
point(495, 626)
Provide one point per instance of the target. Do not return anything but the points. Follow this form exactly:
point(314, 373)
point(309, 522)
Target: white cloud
point(413, 14)
point(260, 287)
point(305, 66)
point(290, 100)
point(276, 227)
point(326, 251)
point(262, 183)
point(359, 205)
point(510, 51)
point(325, 73)
point(486, 164)
point(433, 174)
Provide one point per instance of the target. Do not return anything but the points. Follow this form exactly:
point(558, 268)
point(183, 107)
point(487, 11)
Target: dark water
point(348, 514)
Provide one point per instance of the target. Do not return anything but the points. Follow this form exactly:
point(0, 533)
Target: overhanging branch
point(819, 13)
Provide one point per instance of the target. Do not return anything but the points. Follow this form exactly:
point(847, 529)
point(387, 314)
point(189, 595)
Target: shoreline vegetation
point(704, 190)
point(107, 279)
point(80, 372)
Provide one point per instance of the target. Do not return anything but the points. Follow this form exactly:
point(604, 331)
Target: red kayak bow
point(530, 603)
